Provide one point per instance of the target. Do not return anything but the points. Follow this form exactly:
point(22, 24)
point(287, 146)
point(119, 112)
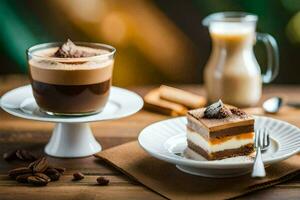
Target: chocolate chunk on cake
point(219, 131)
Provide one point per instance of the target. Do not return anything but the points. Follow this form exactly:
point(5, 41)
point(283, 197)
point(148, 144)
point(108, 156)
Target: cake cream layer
point(215, 145)
point(214, 125)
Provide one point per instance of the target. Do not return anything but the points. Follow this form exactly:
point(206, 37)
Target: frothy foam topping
point(50, 52)
point(44, 59)
point(45, 64)
point(232, 28)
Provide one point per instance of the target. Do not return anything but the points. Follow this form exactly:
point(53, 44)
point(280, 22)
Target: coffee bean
point(9, 156)
point(102, 181)
point(60, 169)
point(19, 154)
point(78, 176)
point(39, 165)
point(51, 170)
point(37, 181)
point(53, 174)
point(23, 178)
point(19, 171)
point(32, 164)
point(43, 176)
point(54, 177)
point(37, 173)
point(25, 155)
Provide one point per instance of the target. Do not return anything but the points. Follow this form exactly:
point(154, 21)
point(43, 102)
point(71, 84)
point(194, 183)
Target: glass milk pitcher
point(232, 72)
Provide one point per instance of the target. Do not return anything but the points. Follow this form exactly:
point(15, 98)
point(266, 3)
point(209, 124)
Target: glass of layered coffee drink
point(71, 78)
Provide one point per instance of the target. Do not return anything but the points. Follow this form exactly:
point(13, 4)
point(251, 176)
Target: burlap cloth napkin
point(165, 179)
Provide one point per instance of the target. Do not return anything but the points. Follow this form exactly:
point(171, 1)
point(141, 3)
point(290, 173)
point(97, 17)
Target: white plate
point(166, 140)
point(121, 103)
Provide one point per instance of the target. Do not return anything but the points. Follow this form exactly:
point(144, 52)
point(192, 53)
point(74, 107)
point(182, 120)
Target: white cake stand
point(72, 136)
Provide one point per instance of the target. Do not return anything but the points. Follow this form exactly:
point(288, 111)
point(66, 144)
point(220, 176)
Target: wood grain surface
point(19, 133)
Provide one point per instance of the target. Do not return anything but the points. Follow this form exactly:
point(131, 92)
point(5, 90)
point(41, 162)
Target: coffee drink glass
point(232, 72)
point(71, 79)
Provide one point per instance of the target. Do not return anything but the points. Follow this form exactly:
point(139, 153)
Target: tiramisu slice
point(219, 131)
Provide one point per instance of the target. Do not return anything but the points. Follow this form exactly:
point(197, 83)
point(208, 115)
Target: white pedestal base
point(71, 140)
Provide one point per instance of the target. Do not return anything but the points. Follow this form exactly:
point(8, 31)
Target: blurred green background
point(158, 41)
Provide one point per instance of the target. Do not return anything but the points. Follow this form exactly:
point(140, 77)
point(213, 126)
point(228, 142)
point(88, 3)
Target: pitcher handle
point(272, 56)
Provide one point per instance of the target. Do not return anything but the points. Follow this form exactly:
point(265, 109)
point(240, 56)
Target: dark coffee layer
point(69, 99)
point(242, 151)
point(232, 131)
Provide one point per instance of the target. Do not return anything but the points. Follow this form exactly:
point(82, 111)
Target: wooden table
point(19, 133)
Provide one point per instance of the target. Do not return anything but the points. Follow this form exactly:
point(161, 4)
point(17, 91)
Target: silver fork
point(261, 143)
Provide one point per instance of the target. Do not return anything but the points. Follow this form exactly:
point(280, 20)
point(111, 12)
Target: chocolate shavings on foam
point(70, 50)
